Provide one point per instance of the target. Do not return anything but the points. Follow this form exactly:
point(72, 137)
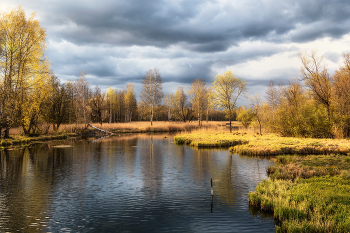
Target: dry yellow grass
point(158, 126)
point(266, 145)
point(139, 127)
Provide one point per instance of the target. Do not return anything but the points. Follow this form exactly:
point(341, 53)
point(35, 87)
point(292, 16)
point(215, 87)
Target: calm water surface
point(137, 183)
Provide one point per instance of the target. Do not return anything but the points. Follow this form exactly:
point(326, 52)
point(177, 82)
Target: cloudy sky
point(117, 41)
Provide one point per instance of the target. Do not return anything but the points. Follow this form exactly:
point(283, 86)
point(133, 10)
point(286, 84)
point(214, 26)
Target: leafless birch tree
point(151, 93)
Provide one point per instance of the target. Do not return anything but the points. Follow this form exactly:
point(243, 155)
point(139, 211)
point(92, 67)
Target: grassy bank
point(266, 145)
point(19, 140)
point(307, 193)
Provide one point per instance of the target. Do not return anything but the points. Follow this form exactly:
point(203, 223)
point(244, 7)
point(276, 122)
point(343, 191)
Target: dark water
point(128, 184)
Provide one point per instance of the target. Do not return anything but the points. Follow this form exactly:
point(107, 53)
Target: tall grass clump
point(293, 167)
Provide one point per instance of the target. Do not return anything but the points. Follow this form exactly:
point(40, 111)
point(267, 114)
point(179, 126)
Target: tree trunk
point(1, 121)
point(152, 115)
point(207, 115)
point(199, 120)
point(7, 129)
point(230, 122)
point(110, 115)
point(260, 127)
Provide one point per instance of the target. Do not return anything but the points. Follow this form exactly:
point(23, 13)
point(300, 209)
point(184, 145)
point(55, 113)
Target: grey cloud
point(334, 57)
point(204, 26)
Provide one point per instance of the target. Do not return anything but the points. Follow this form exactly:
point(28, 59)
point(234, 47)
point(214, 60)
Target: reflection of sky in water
point(136, 184)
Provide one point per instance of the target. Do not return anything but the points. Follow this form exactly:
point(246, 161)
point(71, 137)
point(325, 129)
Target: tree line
point(314, 105)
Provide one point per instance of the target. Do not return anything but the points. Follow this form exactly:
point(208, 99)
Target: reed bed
point(266, 145)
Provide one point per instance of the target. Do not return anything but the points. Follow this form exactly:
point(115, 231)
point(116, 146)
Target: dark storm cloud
point(205, 26)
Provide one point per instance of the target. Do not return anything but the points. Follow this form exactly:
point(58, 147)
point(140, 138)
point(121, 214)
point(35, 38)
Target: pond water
point(136, 183)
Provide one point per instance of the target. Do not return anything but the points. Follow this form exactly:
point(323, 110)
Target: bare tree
point(316, 77)
point(273, 98)
point(151, 93)
point(82, 93)
point(168, 101)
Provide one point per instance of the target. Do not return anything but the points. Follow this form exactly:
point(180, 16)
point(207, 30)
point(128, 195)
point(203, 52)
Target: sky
point(116, 41)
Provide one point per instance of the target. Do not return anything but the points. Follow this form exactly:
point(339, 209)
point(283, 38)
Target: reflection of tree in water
point(26, 177)
point(152, 166)
point(209, 166)
point(29, 176)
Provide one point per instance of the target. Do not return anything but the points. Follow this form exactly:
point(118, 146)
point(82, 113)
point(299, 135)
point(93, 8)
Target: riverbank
point(74, 130)
point(265, 145)
point(20, 140)
point(307, 194)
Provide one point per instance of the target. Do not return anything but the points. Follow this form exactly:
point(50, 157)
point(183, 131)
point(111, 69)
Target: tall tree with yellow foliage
point(130, 102)
point(22, 68)
point(227, 88)
point(198, 95)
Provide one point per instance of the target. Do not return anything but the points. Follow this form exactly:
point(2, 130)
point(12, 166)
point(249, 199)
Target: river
point(134, 183)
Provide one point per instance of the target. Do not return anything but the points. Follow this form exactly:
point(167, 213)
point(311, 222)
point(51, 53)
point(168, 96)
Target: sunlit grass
point(145, 126)
point(266, 145)
point(135, 126)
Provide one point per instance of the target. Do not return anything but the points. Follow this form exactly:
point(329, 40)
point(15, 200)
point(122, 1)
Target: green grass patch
point(318, 204)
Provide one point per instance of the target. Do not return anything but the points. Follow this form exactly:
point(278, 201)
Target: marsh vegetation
point(307, 194)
